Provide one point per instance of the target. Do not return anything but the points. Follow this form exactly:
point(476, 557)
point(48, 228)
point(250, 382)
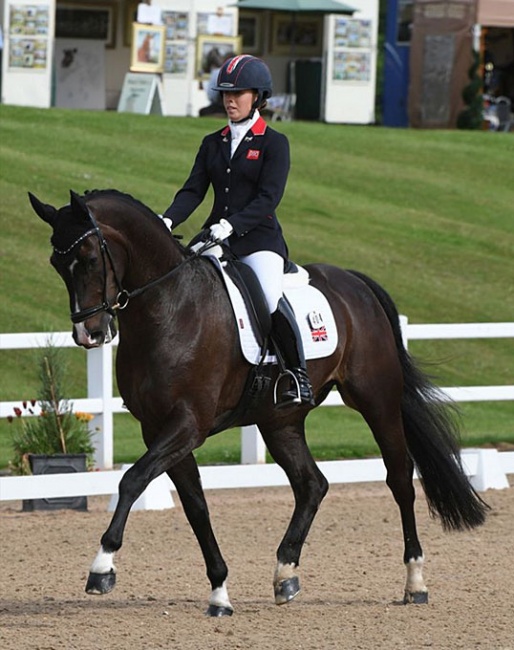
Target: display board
point(141, 93)
point(350, 72)
point(28, 52)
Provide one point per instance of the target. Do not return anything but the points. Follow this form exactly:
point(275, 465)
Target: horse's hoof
point(100, 583)
point(286, 590)
point(218, 610)
point(415, 598)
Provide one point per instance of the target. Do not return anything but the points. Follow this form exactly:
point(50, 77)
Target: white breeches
point(269, 269)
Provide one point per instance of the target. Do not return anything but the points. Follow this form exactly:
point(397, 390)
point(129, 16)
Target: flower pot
point(56, 464)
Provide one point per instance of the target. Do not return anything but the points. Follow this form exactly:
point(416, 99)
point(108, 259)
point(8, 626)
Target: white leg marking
point(103, 563)
point(415, 583)
point(284, 572)
point(219, 597)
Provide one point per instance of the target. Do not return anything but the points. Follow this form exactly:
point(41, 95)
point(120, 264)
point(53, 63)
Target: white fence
point(102, 403)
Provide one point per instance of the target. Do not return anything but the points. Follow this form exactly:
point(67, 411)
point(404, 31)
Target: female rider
point(247, 163)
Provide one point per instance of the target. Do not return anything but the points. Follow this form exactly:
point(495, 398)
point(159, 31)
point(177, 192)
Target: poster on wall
point(215, 24)
point(28, 36)
point(176, 26)
point(352, 66)
point(350, 32)
point(352, 50)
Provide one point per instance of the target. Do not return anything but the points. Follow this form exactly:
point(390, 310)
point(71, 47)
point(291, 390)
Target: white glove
point(196, 247)
point(167, 221)
point(221, 230)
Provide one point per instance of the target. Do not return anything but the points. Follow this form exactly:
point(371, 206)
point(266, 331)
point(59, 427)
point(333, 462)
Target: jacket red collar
point(259, 128)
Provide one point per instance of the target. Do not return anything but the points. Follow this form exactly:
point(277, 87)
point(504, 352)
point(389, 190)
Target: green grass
point(426, 213)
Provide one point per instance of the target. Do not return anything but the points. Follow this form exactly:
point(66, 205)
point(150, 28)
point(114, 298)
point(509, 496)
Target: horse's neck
point(150, 251)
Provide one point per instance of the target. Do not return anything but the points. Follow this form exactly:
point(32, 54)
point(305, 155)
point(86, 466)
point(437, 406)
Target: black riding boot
point(285, 331)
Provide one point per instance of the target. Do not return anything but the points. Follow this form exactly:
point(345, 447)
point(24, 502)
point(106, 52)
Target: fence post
point(253, 449)
point(99, 385)
point(404, 321)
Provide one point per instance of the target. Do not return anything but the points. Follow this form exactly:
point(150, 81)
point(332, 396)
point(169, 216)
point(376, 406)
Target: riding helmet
point(245, 72)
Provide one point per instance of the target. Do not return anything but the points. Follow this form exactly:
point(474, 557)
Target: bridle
point(123, 296)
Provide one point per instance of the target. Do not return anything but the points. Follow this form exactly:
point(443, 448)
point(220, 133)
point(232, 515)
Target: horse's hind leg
point(186, 478)
point(383, 416)
point(289, 449)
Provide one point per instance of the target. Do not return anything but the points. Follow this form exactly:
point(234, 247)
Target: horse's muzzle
point(95, 337)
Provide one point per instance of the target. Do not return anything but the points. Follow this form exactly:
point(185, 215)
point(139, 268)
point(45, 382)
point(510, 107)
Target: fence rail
point(102, 403)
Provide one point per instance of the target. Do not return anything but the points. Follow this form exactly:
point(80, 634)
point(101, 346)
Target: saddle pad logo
point(318, 329)
point(253, 154)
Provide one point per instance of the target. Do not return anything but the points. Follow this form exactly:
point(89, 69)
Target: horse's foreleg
point(290, 451)
point(186, 478)
point(102, 574)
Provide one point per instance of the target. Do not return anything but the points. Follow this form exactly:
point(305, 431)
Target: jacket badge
point(253, 154)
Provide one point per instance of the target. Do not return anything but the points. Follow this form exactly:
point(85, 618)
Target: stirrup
point(300, 391)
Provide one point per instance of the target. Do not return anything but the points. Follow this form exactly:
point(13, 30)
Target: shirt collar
point(257, 128)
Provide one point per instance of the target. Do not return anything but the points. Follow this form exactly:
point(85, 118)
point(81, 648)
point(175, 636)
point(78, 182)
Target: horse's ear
point(79, 207)
point(43, 210)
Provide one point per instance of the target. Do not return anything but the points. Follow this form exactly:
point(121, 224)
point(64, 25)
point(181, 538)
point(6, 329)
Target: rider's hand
point(167, 221)
point(198, 246)
point(222, 230)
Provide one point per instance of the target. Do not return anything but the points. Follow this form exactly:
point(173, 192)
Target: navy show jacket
point(247, 187)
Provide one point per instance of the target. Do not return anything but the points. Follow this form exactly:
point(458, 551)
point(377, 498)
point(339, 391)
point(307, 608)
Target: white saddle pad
point(313, 314)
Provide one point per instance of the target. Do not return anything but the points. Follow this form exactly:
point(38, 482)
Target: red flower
point(17, 412)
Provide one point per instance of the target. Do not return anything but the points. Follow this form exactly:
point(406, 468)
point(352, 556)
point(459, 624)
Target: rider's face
point(238, 104)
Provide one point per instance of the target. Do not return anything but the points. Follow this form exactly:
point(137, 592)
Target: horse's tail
point(432, 434)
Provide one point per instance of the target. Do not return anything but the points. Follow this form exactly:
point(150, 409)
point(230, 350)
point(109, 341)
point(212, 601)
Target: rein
point(123, 296)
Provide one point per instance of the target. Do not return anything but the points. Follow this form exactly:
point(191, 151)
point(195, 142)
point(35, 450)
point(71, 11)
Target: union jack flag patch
point(319, 334)
point(253, 154)
point(318, 329)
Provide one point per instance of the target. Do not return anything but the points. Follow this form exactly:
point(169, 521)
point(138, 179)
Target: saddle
point(253, 296)
point(255, 328)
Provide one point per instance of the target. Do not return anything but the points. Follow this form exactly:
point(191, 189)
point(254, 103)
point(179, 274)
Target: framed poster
point(92, 21)
point(250, 30)
point(147, 48)
point(301, 37)
point(205, 46)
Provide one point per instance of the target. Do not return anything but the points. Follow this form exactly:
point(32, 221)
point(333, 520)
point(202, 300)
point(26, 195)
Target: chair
point(281, 107)
point(503, 113)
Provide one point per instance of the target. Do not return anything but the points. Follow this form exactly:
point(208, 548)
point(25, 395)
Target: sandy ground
point(352, 578)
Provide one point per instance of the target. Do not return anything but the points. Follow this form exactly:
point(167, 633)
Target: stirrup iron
point(287, 402)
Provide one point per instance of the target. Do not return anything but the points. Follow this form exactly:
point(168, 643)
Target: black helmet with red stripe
point(245, 72)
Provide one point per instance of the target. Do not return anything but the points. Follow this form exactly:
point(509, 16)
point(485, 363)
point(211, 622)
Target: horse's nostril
point(98, 337)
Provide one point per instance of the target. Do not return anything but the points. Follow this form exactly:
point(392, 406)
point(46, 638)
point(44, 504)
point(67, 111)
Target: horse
point(144, 50)
point(180, 371)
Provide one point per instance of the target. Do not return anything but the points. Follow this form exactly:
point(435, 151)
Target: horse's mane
point(70, 228)
point(117, 194)
point(129, 199)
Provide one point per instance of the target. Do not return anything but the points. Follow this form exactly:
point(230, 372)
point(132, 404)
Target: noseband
point(123, 296)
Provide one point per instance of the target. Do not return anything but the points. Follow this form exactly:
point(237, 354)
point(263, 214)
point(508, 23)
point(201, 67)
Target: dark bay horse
point(180, 371)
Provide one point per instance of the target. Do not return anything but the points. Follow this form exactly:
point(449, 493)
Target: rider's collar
point(257, 125)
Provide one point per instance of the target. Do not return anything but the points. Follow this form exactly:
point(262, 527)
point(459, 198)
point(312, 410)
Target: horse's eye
point(88, 263)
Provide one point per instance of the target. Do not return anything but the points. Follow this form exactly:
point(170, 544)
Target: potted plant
point(49, 437)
